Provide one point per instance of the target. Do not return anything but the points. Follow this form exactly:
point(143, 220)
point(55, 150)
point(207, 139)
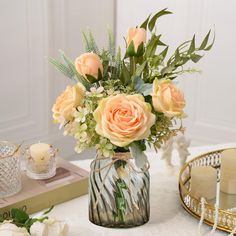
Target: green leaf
point(91, 79)
point(140, 69)
point(195, 57)
point(140, 50)
point(164, 53)
point(160, 42)
point(205, 41)
point(62, 68)
point(141, 87)
point(136, 150)
point(130, 51)
point(167, 69)
point(144, 24)
point(111, 43)
point(89, 42)
point(192, 46)
point(152, 22)
point(125, 75)
point(177, 55)
point(19, 215)
point(152, 46)
point(73, 70)
point(210, 46)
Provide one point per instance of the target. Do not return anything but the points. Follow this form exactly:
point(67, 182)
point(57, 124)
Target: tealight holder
point(10, 172)
point(43, 169)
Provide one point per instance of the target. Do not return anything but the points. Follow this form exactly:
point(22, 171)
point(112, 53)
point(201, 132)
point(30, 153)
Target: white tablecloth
point(168, 218)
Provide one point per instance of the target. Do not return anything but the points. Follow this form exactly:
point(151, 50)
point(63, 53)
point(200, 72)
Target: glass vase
point(10, 173)
point(118, 192)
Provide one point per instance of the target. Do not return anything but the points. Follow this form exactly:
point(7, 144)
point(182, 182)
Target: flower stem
point(132, 66)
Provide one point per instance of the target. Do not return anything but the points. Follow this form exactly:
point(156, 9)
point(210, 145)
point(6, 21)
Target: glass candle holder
point(10, 173)
point(42, 168)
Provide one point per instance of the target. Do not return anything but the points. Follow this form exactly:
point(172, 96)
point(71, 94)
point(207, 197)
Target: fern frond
point(68, 69)
point(89, 42)
point(62, 68)
point(118, 63)
point(86, 42)
point(93, 43)
point(111, 44)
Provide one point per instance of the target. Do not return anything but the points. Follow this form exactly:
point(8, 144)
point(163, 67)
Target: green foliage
point(131, 73)
point(162, 131)
point(120, 200)
point(184, 53)
point(62, 68)
point(153, 20)
point(137, 152)
point(125, 75)
point(111, 44)
point(68, 69)
point(21, 219)
point(144, 24)
point(141, 87)
point(89, 42)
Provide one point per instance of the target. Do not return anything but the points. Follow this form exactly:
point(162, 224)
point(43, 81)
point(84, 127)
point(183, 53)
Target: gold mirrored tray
point(227, 209)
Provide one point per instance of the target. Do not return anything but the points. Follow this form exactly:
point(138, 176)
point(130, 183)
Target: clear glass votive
point(42, 168)
point(10, 173)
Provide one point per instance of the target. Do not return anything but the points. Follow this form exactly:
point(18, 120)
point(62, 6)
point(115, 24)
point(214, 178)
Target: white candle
point(228, 171)
point(40, 153)
point(203, 182)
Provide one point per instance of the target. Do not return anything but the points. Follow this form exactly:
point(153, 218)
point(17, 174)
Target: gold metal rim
point(183, 187)
point(17, 146)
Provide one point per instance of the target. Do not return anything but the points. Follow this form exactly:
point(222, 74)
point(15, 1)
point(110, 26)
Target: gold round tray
point(227, 210)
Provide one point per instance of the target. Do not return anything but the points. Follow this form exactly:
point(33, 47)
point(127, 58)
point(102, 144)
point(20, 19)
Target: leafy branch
point(186, 52)
point(21, 219)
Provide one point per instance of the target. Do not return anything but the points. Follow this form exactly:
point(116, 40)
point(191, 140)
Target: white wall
point(211, 96)
point(33, 30)
point(30, 32)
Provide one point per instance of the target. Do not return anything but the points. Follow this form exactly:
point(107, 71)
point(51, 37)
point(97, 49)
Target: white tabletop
point(167, 215)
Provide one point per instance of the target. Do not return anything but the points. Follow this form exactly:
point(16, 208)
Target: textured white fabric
point(168, 218)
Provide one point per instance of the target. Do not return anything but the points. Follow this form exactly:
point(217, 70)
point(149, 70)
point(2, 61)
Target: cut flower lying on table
point(125, 102)
point(19, 223)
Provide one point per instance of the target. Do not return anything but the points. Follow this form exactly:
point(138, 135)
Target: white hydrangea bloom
point(95, 92)
point(105, 148)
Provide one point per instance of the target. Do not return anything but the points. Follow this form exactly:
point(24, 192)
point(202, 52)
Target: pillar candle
point(203, 182)
point(228, 171)
point(40, 153)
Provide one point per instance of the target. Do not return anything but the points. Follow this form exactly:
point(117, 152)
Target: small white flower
point(80, 147)
point(80, 114)
point(95, 92)
point(105, 148)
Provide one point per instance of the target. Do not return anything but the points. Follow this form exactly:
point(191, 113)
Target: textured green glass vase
point(118, 193)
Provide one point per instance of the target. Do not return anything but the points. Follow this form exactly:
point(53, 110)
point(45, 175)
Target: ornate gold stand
point(227, 216)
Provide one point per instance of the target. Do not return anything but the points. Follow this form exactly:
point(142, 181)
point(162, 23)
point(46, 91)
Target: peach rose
point(167, 98)
point(124, 119)
point(88, 64)
point(137, 35)
point(71, 98)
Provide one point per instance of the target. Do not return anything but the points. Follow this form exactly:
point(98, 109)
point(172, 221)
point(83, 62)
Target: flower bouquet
point(120, 104)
